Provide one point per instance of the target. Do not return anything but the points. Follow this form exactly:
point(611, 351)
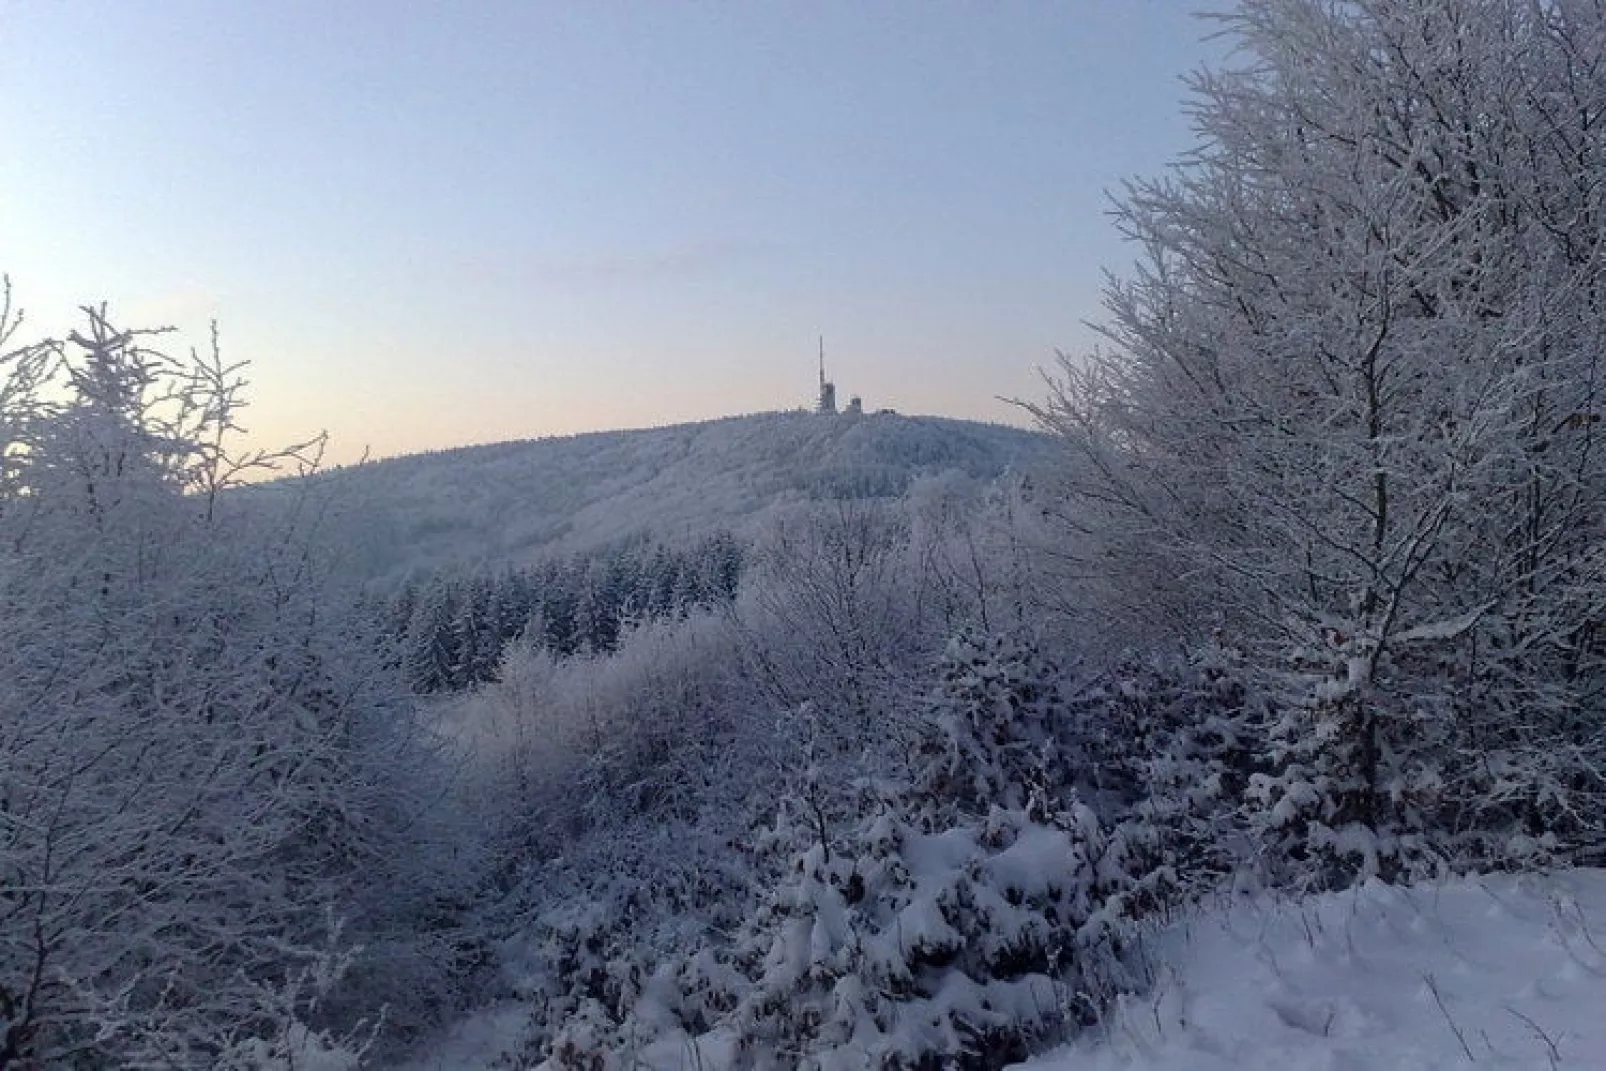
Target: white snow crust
point(1495, 972)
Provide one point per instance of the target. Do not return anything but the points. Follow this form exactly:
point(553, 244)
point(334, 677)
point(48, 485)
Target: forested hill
point(517, 502)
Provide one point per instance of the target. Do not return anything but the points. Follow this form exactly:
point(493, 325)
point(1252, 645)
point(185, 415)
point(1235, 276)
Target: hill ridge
point(517, 501)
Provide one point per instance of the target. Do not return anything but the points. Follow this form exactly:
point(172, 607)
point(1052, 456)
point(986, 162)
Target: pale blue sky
point(429, 224)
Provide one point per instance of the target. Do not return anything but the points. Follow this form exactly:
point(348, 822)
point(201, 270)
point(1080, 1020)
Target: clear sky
point(430, 224)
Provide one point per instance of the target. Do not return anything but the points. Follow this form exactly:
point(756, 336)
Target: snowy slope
point(513, 502)
point(1499, 972)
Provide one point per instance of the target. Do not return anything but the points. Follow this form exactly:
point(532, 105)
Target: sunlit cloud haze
point(430, 224)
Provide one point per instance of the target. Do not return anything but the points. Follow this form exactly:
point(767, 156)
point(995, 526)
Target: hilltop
point(515, 502)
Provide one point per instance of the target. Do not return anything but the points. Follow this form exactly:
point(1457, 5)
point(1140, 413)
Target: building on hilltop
point(827, 402)
point(827, 388)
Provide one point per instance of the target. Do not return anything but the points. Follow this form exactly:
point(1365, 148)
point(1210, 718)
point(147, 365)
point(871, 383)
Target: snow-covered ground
point(1497, 972)
point(482, 1041)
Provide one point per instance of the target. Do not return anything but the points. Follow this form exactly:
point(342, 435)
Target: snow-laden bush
point(1000, 722)
point(965, 947)
point(1165, 749)
point(961, 917)
point(605, 918)
point(561, 749)
point(1439, 778)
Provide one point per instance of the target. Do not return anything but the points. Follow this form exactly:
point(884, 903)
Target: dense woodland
point(1309, 593)
point(453, 630)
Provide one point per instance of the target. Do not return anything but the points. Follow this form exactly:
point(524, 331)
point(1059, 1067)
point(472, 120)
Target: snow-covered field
point(1499, 972)
point(1496, 972)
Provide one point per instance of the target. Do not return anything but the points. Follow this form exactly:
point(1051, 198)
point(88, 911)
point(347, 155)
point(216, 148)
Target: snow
point(1496, 972)
point(482, 1040)
point(1040, 859)
point(1448, 629)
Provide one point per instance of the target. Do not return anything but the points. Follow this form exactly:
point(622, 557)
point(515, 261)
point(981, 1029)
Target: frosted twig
point(1433, 987)
point(1552, 1050)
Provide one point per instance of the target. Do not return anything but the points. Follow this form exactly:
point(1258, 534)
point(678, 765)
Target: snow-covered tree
point(837, 615)
point(1348, 417)
point(204, 766)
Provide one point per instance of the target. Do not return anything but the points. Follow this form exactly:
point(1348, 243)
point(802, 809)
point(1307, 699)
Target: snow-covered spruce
point(962, 919)
point(1165, 749)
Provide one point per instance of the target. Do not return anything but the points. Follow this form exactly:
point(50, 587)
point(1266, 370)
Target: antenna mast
point(827, 388)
